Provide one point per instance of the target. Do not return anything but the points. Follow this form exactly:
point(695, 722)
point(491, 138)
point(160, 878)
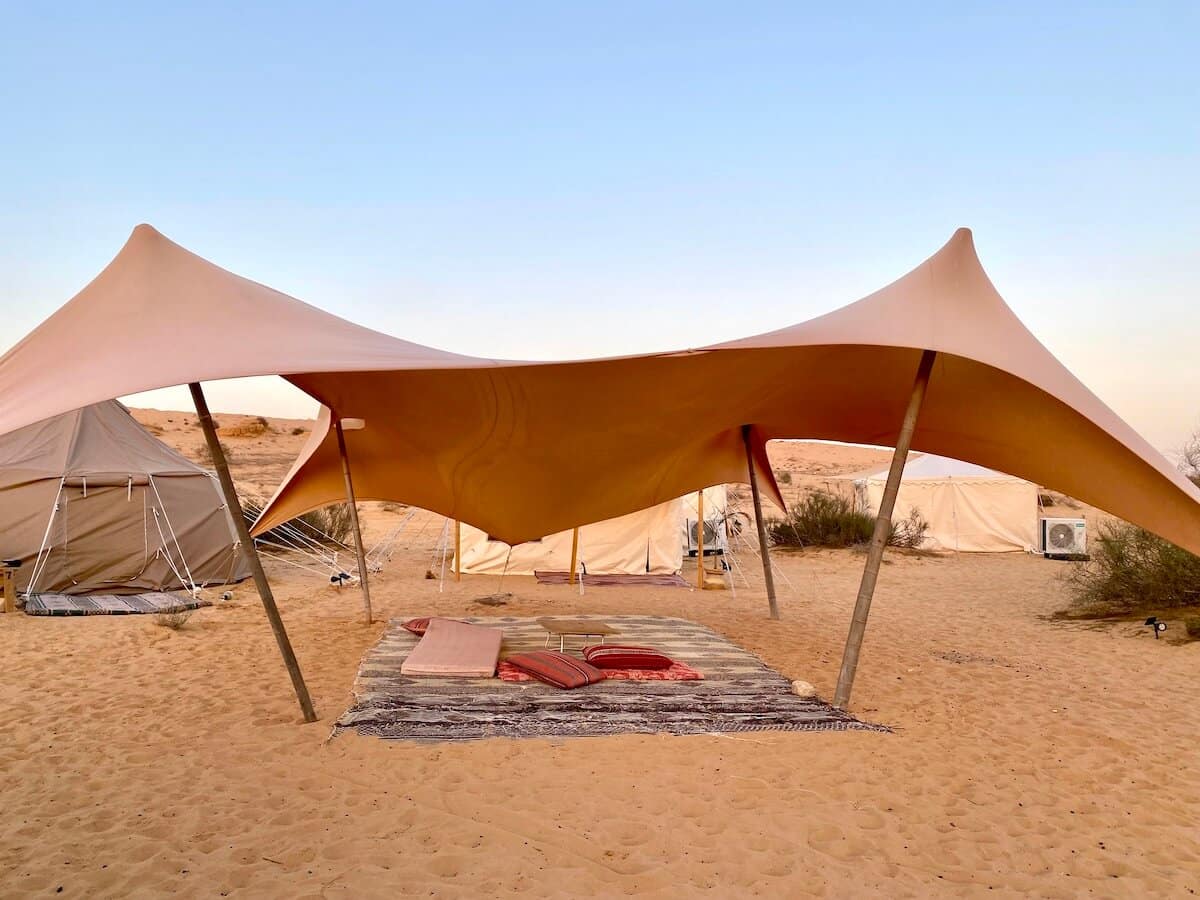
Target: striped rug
point(109, 604)
point(738, 694)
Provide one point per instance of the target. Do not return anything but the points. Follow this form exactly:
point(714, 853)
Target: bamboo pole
point(574, 554)
point(353, 503)
point(251, 554)
point(700, 539)
point(458, 550)
point(768, 575)
point(883, 528)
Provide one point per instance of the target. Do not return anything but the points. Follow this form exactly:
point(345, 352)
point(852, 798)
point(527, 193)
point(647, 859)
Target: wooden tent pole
point(883, 530)
point(700, 539)
point(458, 551)
point(250, 552)
point(768, 575)
point(352, 502)
point(574, 554)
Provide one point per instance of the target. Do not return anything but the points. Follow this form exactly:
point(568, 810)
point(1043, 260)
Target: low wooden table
point(564, 628)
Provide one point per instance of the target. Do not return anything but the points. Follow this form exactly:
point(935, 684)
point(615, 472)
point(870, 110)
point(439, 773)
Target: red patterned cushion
point(557, 669)
point(613, 656)
point(417, 626)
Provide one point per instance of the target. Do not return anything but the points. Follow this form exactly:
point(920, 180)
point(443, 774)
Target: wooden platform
point(738, 693)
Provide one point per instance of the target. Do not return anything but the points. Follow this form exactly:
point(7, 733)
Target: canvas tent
point(90, 502)
point(968, 508)
point(648, 542)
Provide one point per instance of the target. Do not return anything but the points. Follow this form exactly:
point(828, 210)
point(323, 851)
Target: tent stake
point(574, 554)
point(768, 575)
point(458, 551)
point(250, 552)
point(700, 539)
point(352, 502)
point(883, 530)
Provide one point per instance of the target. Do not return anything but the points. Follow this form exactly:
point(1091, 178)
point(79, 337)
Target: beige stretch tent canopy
point(968, 508)
point(89, 501)
point(526, 449)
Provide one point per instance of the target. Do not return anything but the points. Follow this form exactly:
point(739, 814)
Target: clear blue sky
point(543, 180)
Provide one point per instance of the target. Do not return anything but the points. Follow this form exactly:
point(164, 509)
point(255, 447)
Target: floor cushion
point(555, 668)
point(421, 625)
point(417, 626)
point(615, 656)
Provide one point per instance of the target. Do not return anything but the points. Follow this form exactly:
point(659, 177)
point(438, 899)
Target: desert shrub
point(830, 520)
point(1132, 570)
point(173, 619)
point(909, 532)
point(205, 457)
point(298, 430)
point(254, 428)
point(1192, 626)
point(1190, 462)
point(333, 521)
point(783, 477)
point(821, 520)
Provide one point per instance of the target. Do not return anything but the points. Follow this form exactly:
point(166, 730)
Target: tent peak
point(146, 231)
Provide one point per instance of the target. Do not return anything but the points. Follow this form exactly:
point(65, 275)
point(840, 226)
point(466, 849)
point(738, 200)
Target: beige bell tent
point(648, 542)
point(90, 502)
point(968, 508)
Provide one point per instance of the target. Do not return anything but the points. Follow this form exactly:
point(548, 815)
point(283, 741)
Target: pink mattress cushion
point(614, 656)
point(555, 668)
point(456, 649)
point(421, 625)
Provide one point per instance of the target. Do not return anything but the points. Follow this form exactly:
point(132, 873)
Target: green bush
point(830, 520)
point(1132, 570)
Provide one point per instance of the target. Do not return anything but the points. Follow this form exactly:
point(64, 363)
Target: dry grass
point(256, 427)
point(205, 457)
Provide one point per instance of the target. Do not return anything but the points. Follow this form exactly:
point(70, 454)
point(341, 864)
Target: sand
point(1030, 757)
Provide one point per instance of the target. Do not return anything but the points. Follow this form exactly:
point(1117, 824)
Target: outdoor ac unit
point(713, 536)
point(1063, 538)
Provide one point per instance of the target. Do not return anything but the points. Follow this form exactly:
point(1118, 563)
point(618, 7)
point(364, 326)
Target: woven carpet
point(738, 693)
point(109, 604)
point(670, 580)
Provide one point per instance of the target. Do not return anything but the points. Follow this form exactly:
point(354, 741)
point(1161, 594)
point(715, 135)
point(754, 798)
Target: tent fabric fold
point(523, 449)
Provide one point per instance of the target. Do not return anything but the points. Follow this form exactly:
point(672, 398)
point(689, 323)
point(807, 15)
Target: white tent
point(649, 542)
point(968, 508)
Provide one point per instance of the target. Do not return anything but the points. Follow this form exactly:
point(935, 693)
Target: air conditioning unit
point(1063, 538)
point(714, 536)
